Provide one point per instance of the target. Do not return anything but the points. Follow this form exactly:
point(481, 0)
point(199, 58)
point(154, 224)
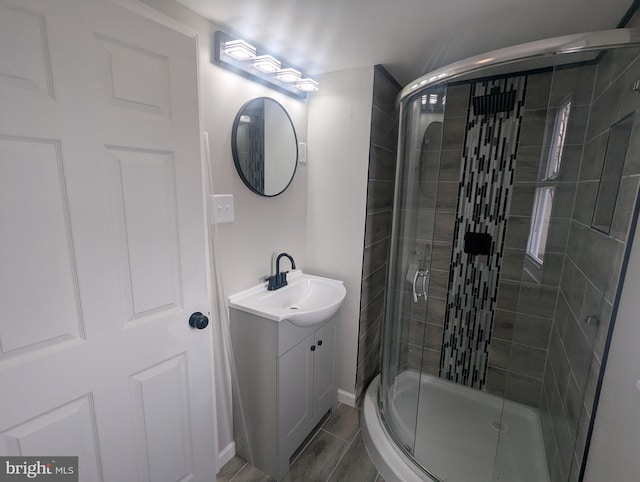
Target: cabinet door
point(295, 389)
point(324, 367)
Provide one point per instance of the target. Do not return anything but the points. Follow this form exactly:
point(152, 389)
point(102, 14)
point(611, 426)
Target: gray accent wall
point(382, 166)
point(591, 270)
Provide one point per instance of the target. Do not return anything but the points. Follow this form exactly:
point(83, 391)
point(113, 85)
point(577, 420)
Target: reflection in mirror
point(264, 146)
point(611, 174)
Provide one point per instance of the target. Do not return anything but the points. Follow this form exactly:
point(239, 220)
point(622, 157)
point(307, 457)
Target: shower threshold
point(462, 435)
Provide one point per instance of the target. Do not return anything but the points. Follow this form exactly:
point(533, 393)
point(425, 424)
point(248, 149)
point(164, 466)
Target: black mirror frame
point(234, 146)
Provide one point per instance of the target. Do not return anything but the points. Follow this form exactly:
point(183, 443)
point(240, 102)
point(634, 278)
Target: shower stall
point(515, 200)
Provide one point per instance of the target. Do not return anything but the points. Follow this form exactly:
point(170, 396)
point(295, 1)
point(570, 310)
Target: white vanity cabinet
point(286, 380)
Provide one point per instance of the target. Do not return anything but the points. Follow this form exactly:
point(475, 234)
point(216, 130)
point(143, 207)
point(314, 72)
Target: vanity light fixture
point(266, 63)
point(240, 49)
point(307, 85)
point(259, 65)
point(288, 75)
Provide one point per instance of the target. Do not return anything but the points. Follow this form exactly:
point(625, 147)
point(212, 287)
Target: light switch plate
point(222, 208)
point(302, 152)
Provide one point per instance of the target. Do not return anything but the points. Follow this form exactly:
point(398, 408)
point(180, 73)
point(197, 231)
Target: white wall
point(338, 145)
point(263, 227)
point(615, 445)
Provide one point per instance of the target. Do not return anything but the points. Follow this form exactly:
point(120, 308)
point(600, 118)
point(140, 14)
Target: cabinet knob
point(313, 348)
point(319, 342)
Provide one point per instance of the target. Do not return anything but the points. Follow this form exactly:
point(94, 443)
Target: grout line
point(348, 447)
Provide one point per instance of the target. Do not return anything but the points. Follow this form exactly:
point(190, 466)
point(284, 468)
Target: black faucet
point(279, 280)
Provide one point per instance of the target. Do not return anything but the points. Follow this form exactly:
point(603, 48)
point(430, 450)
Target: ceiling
point(408, 37)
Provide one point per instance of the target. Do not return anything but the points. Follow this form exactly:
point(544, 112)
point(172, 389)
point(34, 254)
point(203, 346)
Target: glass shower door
point(409, 278)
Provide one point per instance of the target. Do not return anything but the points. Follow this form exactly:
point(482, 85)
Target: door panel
point(324, 366)
point(103, 260)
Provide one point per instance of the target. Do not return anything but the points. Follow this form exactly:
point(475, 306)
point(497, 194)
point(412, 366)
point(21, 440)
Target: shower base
point(463, 435)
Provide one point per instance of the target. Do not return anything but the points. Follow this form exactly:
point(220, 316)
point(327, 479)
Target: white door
point(102, 244)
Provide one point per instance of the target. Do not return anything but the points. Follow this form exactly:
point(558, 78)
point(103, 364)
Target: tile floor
point(336, 452)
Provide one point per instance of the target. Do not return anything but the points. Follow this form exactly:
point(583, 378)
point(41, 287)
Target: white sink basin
point(305, 301)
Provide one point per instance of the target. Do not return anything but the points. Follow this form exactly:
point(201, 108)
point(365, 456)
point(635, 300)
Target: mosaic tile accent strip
point(484, 196)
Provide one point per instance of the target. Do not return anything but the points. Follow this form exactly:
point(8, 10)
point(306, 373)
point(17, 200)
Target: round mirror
point(264, 146)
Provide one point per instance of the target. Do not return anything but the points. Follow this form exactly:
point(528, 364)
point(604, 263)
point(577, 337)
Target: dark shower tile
point(563, 199)
point(375, 256)
point(512, 262)
point(522, 199)
point(537, 300)
point(444, 227)
point(499, 354)
point(385, 92)
point(593, 159)
point(432, 337)
point(628, 101)
point(551, 270)
point(632, 162)
point(534, 125)
point(450, 163)
point(528, 164)
point(562, 315)
point(526, 360)
point(431, 361)
point(447, 197)
point(585, 201)
point(576, 239)
point(557, 235)
point(570, 163)
point(457, 101)
point(380, 196)
point(418, 309)
point(428, 195)
point(378, 226)
point(503, 324)
point(603, 329)
point(438, 282)
point(600, 259)
point(625, 205)
point(441, 255)
point(590, 387)
point(574, 82)
point(532, 331)
point(508, 292)
point(435, 311)
point(369, 341)
point(382, 164)
point(370, 313)
point(558, 360)
point(538, 88)
point(591, 306)
point(517, 231)
point(577, 126)
point(496, 381)
point(579, 353)
point(453, 132)
point(523, 389)
point(384, 129)
point(572, 285)
point(429, 166)
point(373, 285)
point(573, 404)
point(604, 74)
point(603, 112)
point(582, 433)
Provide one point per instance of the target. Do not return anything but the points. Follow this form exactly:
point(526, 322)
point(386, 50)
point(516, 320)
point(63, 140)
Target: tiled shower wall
point(591, 270)
point(382, 165)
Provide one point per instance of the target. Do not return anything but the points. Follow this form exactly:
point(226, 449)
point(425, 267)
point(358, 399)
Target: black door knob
point(198, 320)
point(313, 348)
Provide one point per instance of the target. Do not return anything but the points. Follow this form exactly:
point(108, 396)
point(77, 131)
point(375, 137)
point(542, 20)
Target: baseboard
point(226, 454)
point(348, 398)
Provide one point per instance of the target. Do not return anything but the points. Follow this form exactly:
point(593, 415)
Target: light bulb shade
point(288, 75)
point(240, 49)
point(307, 85)
point(266, 63)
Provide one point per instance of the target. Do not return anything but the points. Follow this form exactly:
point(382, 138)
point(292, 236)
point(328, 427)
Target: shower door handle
point(424, 273)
